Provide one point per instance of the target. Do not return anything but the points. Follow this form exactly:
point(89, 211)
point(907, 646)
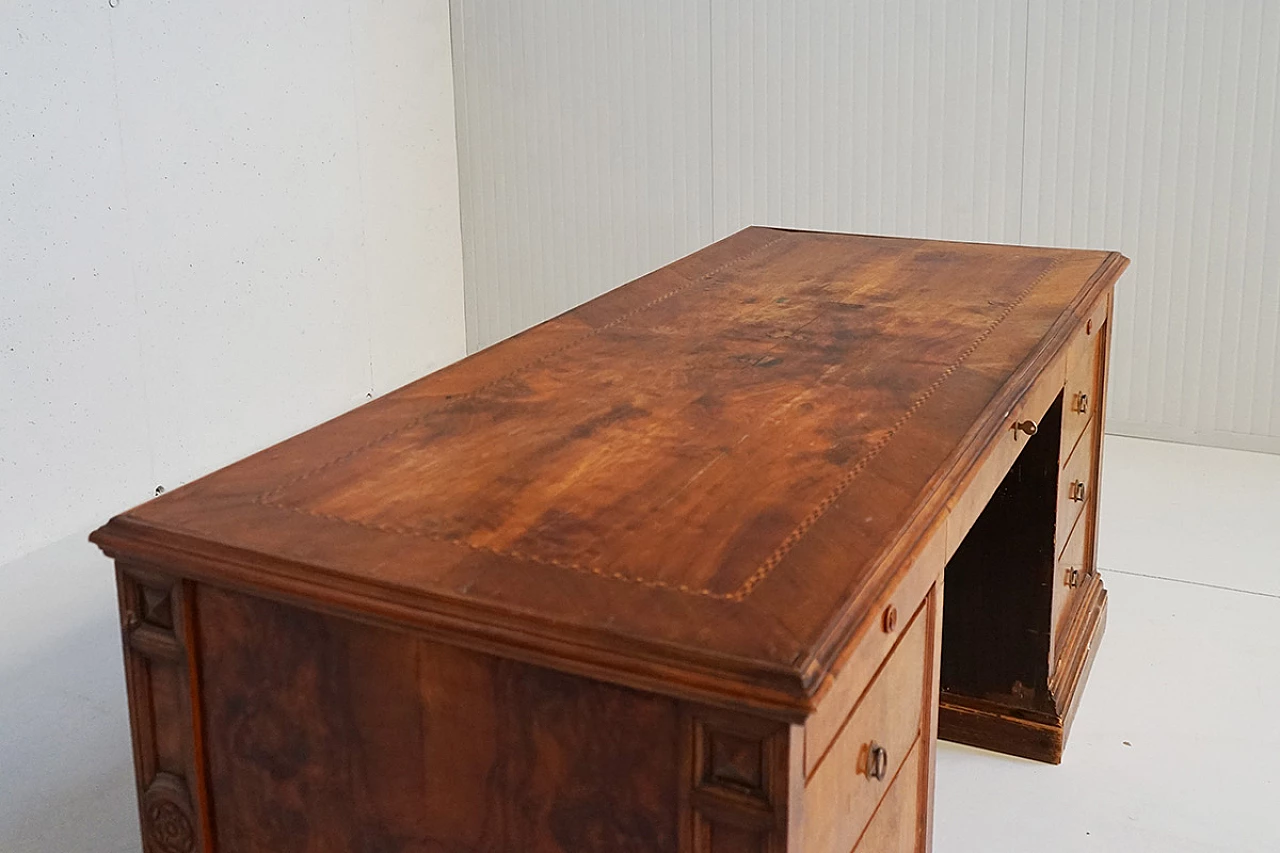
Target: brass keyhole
point(877, 761)
point(1029, 427)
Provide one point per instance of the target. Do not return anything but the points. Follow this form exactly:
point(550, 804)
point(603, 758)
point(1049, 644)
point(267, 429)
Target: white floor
point(66, 778)
point(1176, 746)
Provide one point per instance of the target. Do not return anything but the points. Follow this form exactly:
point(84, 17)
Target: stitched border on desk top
point(272, 497)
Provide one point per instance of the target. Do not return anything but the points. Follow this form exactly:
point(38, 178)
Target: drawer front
point(852, 778)
point(1080, 397)
point(892, 615)
point(973, 494)
point(896, 827)
point(1075, 488)
point(1073, 566)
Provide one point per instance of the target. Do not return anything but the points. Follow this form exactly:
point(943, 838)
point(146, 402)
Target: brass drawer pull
point(1082, 404)
point(877, 761)
point(1029, 427)
point(1076, 491)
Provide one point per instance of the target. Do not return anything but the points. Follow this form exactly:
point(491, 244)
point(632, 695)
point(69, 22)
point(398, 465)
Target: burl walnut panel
point(325, 734)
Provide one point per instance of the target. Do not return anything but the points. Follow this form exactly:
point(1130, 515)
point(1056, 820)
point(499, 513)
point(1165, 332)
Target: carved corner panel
point(157, 626)
point(739, 778)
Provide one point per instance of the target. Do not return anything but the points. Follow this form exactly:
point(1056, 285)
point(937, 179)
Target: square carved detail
point(733, 761)
point(156, 606)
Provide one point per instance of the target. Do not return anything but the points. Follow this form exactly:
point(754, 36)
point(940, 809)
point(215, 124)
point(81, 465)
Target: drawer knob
point(890, 619)
point(1029, 427)
point(1076, 491)
point(877, 761)
point(1082, 404)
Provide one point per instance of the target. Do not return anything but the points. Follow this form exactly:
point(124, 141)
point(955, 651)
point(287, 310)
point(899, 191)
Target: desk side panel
point(326, 734)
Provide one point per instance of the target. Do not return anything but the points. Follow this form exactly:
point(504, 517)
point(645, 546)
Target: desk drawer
point(1075, 488)
point(873, 645)
point(896, 825)
point(1080, 397)
point(1073, 567)
point(853, 776)
point(978, 487)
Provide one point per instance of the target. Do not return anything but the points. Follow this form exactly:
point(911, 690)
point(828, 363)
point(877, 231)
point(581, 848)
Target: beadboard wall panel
point(1151, 128)
point(584, 150)
point(869, 116)
point(598, 141)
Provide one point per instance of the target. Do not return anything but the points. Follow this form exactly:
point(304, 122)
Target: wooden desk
point(661, 574)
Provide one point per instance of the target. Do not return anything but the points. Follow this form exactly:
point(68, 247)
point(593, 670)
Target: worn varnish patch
point(739, 405)
point(320, 729)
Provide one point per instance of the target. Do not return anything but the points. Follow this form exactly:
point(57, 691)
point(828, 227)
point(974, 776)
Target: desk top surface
point(708, 473)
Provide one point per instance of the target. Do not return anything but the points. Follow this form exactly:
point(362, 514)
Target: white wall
point(582, 138)
point(587, 132)
point(220, 223)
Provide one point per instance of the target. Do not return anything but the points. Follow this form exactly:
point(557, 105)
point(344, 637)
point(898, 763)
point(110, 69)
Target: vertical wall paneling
point(600, 140)
point(1151, 129)
point(584, 150)
point(890, 118)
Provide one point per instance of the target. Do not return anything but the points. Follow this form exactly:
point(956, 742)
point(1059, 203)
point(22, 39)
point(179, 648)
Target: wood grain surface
point(701, 481)
point(327, 735)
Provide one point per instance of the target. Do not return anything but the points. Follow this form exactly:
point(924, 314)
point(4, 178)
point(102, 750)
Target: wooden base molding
point(1036, 734)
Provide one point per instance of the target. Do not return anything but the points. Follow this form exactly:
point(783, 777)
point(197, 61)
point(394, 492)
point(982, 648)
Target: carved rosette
point(168, 824)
